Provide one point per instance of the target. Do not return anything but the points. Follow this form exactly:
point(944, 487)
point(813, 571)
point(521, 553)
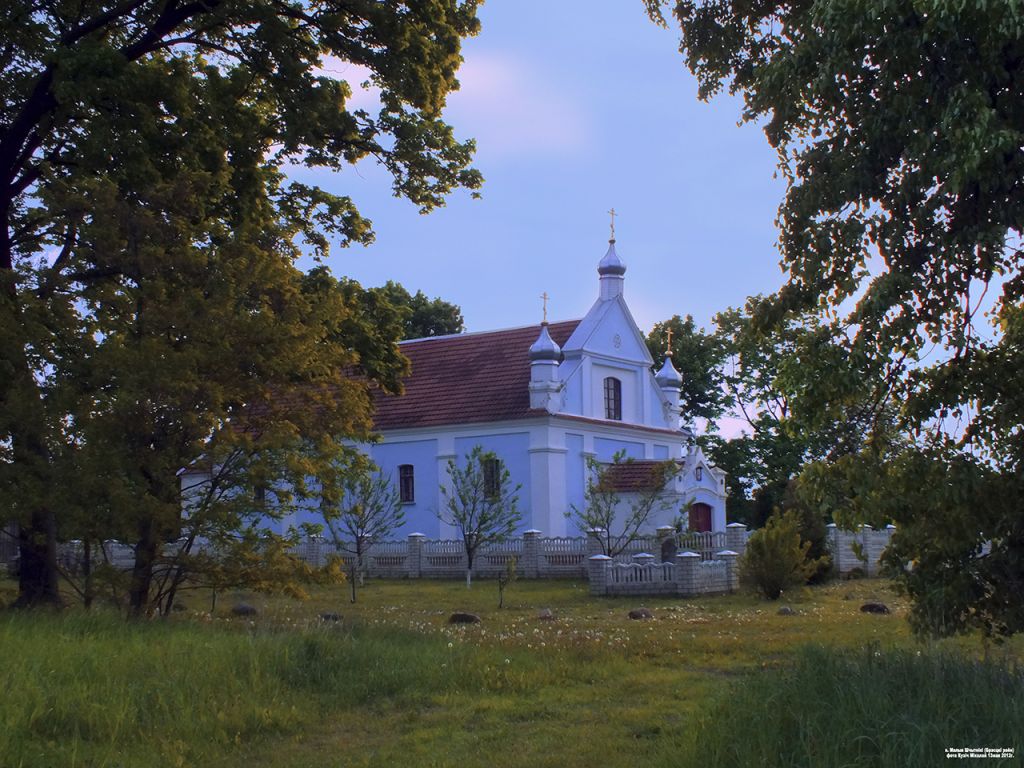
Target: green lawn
point(394, 683)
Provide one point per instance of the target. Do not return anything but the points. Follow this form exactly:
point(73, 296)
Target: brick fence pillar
point(530, 564)
point(732, 571)
point(594, 544)
point(414, 556)
point(736, 538)
point(597, 572)
point(686, 573)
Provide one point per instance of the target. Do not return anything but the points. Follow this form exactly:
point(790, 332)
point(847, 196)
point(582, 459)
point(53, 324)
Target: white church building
point(543, 399)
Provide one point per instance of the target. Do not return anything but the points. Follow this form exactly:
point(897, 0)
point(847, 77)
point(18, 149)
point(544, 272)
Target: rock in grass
point(545, 614)
point(463, 618)
point(327, 618)
point(639, 614)
point(874, 608)
point(243, 609)
point(786, 611)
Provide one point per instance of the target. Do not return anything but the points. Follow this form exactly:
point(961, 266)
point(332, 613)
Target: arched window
point(613, 398)
point(406, 484)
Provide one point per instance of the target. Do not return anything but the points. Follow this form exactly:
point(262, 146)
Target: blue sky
point(579, 106)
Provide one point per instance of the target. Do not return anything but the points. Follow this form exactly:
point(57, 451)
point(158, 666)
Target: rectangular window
point(613, 398)
point(492, 477)
point(700, 474)
point(406, 484)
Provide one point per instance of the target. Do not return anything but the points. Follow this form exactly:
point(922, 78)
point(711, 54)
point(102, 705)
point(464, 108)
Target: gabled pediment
point(609, 330)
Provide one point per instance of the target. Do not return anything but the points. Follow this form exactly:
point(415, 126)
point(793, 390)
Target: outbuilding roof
point(637, 475)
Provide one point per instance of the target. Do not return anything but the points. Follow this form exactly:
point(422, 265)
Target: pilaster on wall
point(548, 494)
point(445, 452)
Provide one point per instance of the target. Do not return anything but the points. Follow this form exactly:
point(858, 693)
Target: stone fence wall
point(537, 556)
point(418, 557)
point(861, 549)
point(687, 575)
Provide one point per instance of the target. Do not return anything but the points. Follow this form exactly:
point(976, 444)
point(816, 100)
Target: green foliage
point(699, 356)
point(884, 709)
point(899, 130)
point(422, 316)
point(776, 558)
point(793, 415)
point(367, 510)
point(507, 579)
point(616, 522)
point(481, 514)
point(151, 312)
point(961, 564)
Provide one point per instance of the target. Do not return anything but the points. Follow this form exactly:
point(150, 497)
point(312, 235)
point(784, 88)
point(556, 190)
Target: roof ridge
point(484, 333)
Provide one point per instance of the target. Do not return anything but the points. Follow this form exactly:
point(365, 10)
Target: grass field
point(715, 681)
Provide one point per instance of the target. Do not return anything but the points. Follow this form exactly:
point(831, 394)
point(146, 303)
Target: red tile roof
point(637, 475)
point(472, 377)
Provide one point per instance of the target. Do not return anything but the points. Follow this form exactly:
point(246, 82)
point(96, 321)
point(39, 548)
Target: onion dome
point(544, 348)
point(611, 264)
point(668, 376)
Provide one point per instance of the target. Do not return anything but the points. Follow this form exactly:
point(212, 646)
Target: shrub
point(776, 558)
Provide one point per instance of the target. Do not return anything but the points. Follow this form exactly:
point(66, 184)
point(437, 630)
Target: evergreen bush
point(776, 558)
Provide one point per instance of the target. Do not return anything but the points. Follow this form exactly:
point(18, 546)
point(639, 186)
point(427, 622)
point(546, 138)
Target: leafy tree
point(899, 130)
point(424, 317)
point(776, 558)
point(481, 504)
point(793, 416)
point(146, 227)
point(615, 522)
point(367, 510)
point(699, 356)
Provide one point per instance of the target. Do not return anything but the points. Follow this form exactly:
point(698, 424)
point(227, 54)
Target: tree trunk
point(38, 580)
point(142, 569)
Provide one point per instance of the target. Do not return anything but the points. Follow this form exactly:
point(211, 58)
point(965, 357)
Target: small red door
point(700, 517)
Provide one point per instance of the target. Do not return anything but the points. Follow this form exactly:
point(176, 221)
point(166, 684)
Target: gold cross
point(612, 212)
point(545, 297)
point(668, 341)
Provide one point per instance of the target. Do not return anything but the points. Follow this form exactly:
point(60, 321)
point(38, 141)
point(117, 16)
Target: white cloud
point(508, 106)
point(511, 108)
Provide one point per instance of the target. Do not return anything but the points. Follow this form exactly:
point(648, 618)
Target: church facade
point(543, 399)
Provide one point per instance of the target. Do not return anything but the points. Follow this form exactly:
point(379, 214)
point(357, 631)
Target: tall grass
point(855, 710)
point(83, 690)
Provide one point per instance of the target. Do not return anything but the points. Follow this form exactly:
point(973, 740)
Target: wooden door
point(700, 517)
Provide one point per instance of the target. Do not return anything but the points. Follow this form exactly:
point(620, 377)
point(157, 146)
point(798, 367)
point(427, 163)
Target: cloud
point(513, 109)
point(508, 106)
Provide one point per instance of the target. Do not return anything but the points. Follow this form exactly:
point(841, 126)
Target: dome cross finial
point(668, 341)
point(613, 215)
point(545, 297)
